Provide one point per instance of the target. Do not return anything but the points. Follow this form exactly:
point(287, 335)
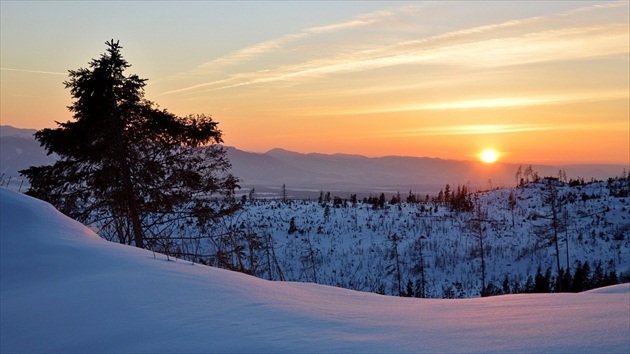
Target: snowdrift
point(64, 289)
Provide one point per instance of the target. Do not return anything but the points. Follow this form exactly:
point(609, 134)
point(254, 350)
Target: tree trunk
point(132, 206)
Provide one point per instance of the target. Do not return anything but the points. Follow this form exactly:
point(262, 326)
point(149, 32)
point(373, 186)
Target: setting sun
point(489, 156)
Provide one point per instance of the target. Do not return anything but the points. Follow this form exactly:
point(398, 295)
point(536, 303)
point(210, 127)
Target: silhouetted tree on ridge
point(126, 163)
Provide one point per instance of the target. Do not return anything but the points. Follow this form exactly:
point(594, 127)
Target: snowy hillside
point(388, 249)
point(64, 289)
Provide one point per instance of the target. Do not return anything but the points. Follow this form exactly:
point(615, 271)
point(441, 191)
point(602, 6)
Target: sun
point(489, 156)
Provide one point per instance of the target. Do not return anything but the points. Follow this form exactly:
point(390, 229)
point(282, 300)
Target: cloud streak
point(511, 43)
point(34, 71)
point(499, 102)
point(253, 52)
point(487, 129)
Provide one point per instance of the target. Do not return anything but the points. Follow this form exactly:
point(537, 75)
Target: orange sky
point(540, 83)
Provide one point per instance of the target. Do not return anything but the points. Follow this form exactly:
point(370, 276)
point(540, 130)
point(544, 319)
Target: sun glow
point(489, 156)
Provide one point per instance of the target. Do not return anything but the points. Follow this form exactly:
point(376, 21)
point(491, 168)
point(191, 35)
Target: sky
point(538, 82)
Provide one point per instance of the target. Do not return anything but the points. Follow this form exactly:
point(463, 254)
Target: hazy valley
point(305, 175)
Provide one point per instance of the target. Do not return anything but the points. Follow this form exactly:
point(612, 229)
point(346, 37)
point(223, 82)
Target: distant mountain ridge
point(7, 130)
point(306, 174)
point(19, 150)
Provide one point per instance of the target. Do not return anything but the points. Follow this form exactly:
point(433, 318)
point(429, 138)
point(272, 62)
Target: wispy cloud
point(554, 45)
point(516, 42)
point(474, 129)
point(34, 71)
point(253, 52)
point(499, 102)
point(486, 129)
point(279, 47)
point(360, 21)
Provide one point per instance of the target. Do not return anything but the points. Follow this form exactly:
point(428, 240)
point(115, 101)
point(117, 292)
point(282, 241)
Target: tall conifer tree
point(126, 163)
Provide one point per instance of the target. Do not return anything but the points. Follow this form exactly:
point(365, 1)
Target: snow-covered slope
point(351, 244)
point(63, 289)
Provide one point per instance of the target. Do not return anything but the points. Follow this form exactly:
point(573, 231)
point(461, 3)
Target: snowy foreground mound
point(63, 289)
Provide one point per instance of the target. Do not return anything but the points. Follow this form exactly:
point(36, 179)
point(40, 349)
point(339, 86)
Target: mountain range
point(305, 175)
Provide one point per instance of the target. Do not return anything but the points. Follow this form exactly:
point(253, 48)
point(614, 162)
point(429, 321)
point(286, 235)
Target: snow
point(352, 243)
point(64, 289)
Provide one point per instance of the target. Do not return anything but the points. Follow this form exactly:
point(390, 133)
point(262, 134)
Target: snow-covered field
point(64, 289)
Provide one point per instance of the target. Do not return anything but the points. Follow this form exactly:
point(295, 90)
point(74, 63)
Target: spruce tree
point(126, 163)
